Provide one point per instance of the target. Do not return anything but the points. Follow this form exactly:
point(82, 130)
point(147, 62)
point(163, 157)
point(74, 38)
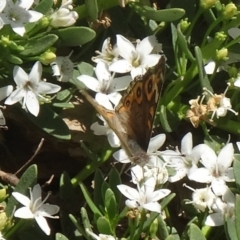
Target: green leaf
point(237, 219)
point(195, 233)
point(89, 201)
point(36, 46)
point(44, 6)
point(166, 15)
point(92, 9)
point(110, 204)
point(80, 230)
point(63, 105)
point(201, 72)
point(60, 236)
point(184, 46)
point(114, 180)
point(51, 123)
point(230, 229)
point(75, 36)
point(164, 120)
point(236, 169)
point(66, 190)
point(27, 180)
point(104, 226)
point(63, 95)
point(98, 181)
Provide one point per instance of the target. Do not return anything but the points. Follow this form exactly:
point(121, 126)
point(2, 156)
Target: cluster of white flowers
point(17, 13)
point(199, 163)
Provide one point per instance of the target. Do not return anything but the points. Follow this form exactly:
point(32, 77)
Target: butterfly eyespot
point(139, 92)
point(127, 103)
point(150, 86)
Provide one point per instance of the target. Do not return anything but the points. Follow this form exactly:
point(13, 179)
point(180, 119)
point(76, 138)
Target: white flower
point(35, 208)
point(222, 208)
point(30, 87)
point(217, 169)
point(17, 14)
point(183, 162)
point(154, 144)
point(135, 59)
point(108, 55)
point(105, 85)
point(4, 92)
point(1, 237)
point(202, 198)
point(101, 236)
point(106, 130)
point(64, 16)
point(62, 68)
point(145, 197)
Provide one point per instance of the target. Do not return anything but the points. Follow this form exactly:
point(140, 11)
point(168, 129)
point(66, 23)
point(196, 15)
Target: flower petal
point(130, 193)
point(22, 199)
point(47, 210)
point(186, 144)
point(156, 142)
point(121, 156)
point(102, 72)
point(126, 48)
point(215, 219)
point(90, 82)
point(42, 223)
point(209, 158)
point(20, 76)
point(5, 91)
point(113, 139)
point(103, 100)
point(47, 88)
point(121, 66)
point(146, 46)
point(36, 73)
point(15, 96)
point(24, 212)
point(32, 103)
point(225, 157)
point(98, 129)
point(153, 207)
point(201, 175)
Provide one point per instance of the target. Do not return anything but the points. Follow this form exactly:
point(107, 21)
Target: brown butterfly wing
point(137, 107)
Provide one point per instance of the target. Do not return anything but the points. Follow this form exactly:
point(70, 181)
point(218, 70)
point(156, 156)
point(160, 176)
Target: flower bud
point(222, 54)
point(233, 72)
point(206, 4)
point(63, 17)
point(220, 36)
point(184, 24)
point(47, 57)
point(229, 10)
point(3, 194)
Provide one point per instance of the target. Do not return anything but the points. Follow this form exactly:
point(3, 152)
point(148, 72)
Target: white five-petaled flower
point(183, 162)
point(17, 14)
point(217, 170)
point(202, 198)
point(222, 208)
point(62, 68)
point(145, 197)
point(135, 59)
point(64, 16)
point(105, 85)
point(104, 129)
point(154, 144)
point(30, 88)
point(35, 208)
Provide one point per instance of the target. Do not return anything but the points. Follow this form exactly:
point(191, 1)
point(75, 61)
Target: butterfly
point(132, 119)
